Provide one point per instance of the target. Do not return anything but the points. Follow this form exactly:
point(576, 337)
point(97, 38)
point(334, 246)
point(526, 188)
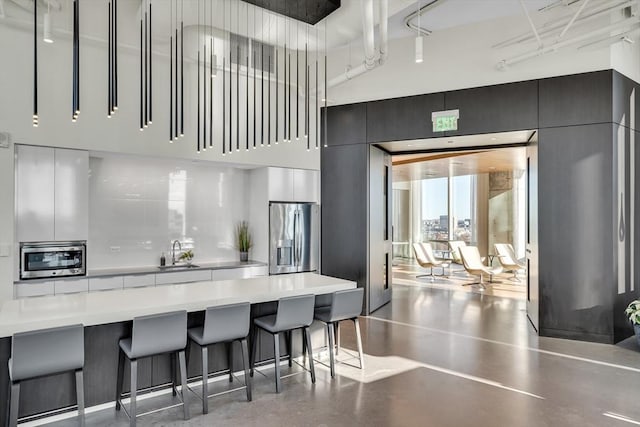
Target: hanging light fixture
point(46, 35)
point(35, 64)
point(419, 40)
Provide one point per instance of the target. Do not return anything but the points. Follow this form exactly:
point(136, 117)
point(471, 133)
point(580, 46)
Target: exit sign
point(445, 120)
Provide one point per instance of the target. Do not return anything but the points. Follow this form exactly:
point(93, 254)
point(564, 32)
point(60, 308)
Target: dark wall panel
point(402, 118)
point(347, 124)
point(344, 212)
point(500, 108)
point(576, 235)
point(576, 100)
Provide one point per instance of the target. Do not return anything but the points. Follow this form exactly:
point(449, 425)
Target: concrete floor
point(437, 357)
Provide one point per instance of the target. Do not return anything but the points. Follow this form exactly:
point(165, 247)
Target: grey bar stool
point(345, 305)
point(46, 352)
point(153, 335)
point(223, 324)
point(293, 313)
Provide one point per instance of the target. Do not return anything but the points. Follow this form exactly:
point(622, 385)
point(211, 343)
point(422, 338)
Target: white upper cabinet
point(71, 195)
point(293, 185)
point(305, 185)
point(281, 185)
point(35, 193)
point(52, 194)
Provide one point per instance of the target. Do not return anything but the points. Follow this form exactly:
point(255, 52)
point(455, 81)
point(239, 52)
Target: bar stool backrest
point(294, 312)
point(46, 352)
point(159, 333)
point(346, 304)
point(226, 322)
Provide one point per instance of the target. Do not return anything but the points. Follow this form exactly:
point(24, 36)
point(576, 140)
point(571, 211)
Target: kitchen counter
point(121, 305)
point(151, 269)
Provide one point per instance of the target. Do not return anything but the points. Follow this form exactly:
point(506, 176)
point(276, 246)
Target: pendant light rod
point(115, 55)
point(175, 117)
point(198, 80)
point(317, 107)
point(289, 101)
point(269, 103)
point(284, 87)
point(211, 56)
point(262, 112)
point(150, 52)
point(224, 79)
point(238, 93)
point(181, 68)
point(77, 35)
point(109, 64)
point(141, 79)
point(34, 117)
point(171, 123)
point(306, 89)
point(255, 94)
point(326, 94)
point(297, 84)
point(146, 69)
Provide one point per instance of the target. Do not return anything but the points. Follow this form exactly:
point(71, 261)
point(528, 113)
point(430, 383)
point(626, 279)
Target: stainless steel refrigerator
point(293, 237)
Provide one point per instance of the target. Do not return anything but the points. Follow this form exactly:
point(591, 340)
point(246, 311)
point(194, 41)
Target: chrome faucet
point(173, 251)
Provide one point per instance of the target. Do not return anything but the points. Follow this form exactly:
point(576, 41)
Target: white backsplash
point(139, 205)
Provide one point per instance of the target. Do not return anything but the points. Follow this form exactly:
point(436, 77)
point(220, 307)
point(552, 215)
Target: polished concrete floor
point(438, 357)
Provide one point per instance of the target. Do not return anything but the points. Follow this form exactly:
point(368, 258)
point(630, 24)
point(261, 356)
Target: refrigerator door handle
point(298, 240)
point(295, 238)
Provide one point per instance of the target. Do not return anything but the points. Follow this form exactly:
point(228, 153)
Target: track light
point(419, 40)
point(47, 38)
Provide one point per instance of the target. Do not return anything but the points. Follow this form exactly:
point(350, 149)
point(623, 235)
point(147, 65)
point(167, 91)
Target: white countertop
point(96, 308)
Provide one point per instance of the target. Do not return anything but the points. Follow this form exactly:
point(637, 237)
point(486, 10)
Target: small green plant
point(243, 237)
point(186, 255)
point(633, 312)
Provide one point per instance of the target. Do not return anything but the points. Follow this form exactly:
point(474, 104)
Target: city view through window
point(438, 206)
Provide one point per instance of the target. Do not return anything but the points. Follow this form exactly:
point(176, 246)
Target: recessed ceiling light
point(409, 145)
point(492, 167)
point(494, 138)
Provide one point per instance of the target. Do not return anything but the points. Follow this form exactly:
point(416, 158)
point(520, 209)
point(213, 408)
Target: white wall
point(94, 131)
point(139, 205)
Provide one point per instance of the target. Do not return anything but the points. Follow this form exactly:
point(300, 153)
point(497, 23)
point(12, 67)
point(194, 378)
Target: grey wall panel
point(344, 212)
point(347, 124)
point(402, 118)
point(576, 100)
point(576, 232)
point(621, 98)
point(500, 108)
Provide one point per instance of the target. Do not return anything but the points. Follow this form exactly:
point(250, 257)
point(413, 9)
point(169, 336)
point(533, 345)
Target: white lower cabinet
point(105, 283)
point(183, 277)
point(139, 280)
point(93, 284)
point(35, 289)
point(231, 273)
point(71, 286)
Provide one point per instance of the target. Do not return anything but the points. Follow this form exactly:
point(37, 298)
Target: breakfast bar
point(106, 317)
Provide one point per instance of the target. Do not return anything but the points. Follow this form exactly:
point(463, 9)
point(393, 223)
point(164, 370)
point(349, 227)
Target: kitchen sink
point(178, 267)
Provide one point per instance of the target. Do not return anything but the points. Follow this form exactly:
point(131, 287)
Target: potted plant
point(186, 256)
point(633, 313)
point(243, 240)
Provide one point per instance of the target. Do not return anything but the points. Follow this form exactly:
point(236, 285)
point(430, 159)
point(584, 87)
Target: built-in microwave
point(52, 259)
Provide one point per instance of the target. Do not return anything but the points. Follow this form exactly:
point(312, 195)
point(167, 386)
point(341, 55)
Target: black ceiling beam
point(309, 11)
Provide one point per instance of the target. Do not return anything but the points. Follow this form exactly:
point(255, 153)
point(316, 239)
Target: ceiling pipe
point(378, 58)
point(368, 33)
point(625, 23)
point(591, 14)
point(2, 15)
point(573, 19)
